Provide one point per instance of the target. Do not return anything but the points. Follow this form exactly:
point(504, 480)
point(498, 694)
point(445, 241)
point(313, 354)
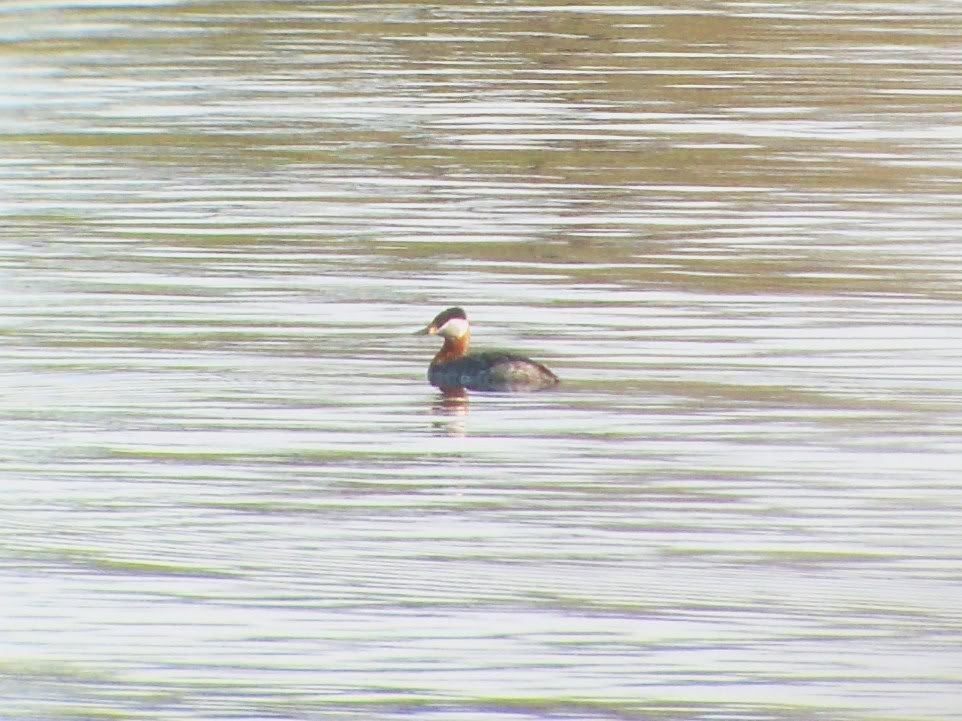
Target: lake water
point(228, 491)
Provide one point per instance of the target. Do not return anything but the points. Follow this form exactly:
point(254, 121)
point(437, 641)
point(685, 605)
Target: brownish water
point(228, 491)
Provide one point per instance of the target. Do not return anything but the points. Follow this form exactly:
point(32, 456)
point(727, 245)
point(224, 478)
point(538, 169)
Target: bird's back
point(492, 370)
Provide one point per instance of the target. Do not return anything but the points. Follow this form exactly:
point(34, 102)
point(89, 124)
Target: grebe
point(454, 368)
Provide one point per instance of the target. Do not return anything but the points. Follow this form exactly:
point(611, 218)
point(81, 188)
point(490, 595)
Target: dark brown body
point(491, 371)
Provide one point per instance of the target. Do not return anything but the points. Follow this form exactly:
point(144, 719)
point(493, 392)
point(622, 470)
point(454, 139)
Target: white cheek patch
point(454, 328)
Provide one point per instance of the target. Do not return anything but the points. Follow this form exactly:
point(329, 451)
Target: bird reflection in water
point(451, 408)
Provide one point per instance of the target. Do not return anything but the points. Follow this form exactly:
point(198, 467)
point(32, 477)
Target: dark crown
point(446, 315)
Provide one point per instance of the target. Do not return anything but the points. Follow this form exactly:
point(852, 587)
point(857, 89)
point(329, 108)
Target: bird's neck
point(453, 349)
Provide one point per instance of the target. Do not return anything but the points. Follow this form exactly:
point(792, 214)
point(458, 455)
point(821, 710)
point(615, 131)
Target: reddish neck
point(453, 349)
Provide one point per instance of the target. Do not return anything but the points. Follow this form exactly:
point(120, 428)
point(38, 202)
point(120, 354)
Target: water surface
point(228, 490)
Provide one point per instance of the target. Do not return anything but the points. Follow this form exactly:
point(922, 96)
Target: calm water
point(228, 491)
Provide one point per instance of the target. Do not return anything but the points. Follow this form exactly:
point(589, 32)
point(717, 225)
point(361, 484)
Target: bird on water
point(454, 368)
